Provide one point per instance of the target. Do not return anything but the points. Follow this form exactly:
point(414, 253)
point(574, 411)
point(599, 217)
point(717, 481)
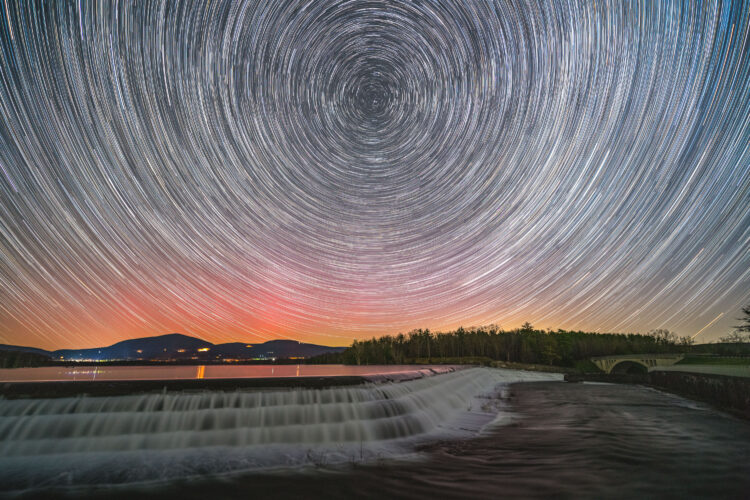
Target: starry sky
point(330, 170)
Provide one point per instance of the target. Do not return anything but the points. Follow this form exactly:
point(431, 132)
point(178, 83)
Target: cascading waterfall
point(165, 435)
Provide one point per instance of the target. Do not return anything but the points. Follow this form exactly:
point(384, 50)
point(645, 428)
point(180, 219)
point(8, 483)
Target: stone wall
point(729, 393)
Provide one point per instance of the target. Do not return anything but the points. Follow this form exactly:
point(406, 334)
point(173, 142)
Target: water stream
point(109, 440)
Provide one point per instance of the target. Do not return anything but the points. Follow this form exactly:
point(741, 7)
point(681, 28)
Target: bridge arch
point(629, 367)
point(634, 363)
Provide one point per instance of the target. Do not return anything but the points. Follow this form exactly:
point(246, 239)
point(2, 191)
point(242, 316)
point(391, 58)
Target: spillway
point(160, 436)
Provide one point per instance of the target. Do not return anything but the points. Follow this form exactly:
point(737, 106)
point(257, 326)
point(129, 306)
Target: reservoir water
point(109, 372)
point(476, 433)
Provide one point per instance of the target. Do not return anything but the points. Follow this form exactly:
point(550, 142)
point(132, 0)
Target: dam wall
point(726, 392)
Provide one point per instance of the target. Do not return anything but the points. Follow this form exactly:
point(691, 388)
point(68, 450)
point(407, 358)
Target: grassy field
point(714, 360)
point(484, 361)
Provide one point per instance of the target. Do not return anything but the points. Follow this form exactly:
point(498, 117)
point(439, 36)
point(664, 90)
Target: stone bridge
point(635, 363)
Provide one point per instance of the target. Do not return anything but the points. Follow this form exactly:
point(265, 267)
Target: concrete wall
point(729, 393)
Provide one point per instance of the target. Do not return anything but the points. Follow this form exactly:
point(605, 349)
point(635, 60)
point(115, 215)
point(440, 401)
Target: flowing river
point(481, 433)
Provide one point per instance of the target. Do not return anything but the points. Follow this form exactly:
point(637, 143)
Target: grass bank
point(485, 361)
point(715, 360)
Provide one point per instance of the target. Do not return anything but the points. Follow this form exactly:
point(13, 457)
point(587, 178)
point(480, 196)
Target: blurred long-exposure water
point(478, 433)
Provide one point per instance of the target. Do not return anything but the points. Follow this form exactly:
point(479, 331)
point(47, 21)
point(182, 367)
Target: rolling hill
point(176, 346)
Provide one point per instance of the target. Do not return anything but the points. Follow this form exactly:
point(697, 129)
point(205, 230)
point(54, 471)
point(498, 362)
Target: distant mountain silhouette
point(18, 357)
point(171, 346)
point(178, 346)
point(20, 348)
point(272, 349)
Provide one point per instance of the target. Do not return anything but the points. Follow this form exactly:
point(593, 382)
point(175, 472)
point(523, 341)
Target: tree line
point(20, 359)
point(522, 345)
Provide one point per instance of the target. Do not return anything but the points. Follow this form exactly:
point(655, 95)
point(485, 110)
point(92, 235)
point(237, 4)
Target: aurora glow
point(329, 170)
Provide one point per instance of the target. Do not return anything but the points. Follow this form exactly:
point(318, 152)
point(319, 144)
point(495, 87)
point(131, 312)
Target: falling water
point(158, 436)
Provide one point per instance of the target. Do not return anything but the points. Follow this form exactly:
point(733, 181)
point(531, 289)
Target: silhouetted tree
point(734, 338)
point(737, 336)
point(745, 325)
point(663, 335)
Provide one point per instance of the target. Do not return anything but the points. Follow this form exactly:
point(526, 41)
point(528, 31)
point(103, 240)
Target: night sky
point(326, 171)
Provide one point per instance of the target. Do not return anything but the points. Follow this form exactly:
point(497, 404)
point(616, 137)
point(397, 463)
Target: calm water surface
point(53, 373)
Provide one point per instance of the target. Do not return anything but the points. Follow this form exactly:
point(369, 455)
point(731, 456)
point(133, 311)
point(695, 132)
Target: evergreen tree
point(745, 326)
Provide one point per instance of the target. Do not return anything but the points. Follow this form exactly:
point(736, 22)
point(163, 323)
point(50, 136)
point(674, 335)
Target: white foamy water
point(160, 436)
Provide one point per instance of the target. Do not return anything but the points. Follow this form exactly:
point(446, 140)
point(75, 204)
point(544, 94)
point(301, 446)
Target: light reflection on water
point(67, 373)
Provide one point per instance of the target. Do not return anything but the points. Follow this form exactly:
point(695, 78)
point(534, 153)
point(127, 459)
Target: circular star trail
point(332, 170)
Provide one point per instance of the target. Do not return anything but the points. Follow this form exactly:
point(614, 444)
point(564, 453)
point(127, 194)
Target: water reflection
point(67, 373)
